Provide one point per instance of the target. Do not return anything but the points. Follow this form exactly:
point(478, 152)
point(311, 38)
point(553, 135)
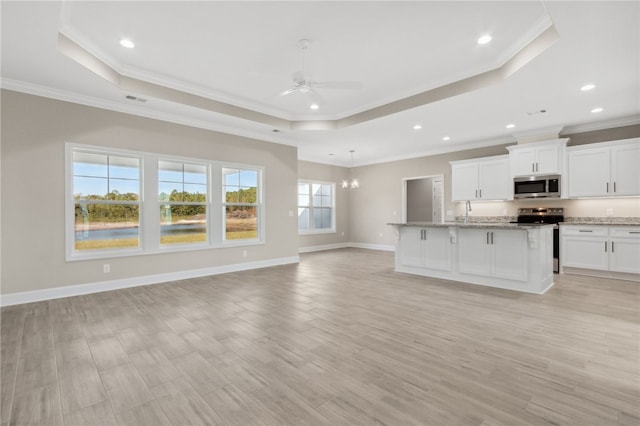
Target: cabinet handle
point(537, 166)
point(481, 193)
point(614, 187)
point(613, 247)
point(607, 186)
point(492, 238)
point(585, 230)
point(476, 193)
point(487, 238)
point(533, 167)
point(605, 246)
point(634, 232)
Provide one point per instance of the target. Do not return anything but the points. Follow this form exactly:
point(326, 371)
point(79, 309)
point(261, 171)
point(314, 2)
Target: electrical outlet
point(381, 234)
point(244, 253)
point(290, 213)
point(395, 213)
point(106, 268)
point(609, 212)
point(342, 234)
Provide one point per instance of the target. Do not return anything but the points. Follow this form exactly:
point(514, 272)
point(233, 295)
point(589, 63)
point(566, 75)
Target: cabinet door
point(411, 246)
point(437, 249)
point(522, 161)
point(493, 180)
point(625, 170)
point(584, 252)
point(625, 255)
point(510, 253)
point(464, 182)
point(473, 251)
point(589, 172)
point(548, 159)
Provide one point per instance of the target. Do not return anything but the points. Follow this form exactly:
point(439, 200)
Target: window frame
point(149, 205)
point(311, 230)
point(207, 203)
point(259, 205)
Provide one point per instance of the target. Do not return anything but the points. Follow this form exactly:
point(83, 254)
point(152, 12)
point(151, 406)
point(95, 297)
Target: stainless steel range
point(551, 215)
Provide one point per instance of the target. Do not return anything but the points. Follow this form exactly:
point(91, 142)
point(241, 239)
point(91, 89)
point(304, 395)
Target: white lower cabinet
point(502, 256)
point(493, 252)
point(426, 248)
point(600, 248)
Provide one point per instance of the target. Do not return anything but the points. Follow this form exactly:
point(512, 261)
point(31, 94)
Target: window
point(123, 203)
point(106, 197)
point(182, 193)
point(240, 203)
point(316, 213)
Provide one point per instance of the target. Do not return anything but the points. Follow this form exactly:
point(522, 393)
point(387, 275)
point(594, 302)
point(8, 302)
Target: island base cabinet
point(508, 257)
point(494, 252)
point(426, 247)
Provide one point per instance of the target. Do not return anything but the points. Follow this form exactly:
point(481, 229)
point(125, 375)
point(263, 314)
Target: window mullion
point(150, 225)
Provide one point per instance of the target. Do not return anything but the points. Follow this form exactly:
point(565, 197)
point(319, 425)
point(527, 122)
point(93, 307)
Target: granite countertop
point(599, 223)
point(501, 225)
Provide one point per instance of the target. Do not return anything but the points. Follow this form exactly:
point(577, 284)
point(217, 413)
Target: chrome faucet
point(467, 209)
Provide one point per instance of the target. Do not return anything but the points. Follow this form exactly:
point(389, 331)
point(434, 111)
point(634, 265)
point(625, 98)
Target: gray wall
point(327, 173)
point(420, 200)
point(34, 132)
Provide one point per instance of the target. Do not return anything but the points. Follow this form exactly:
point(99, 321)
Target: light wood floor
point(338, 339)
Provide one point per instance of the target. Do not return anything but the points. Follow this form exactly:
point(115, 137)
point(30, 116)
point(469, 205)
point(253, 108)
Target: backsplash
point(606, 209)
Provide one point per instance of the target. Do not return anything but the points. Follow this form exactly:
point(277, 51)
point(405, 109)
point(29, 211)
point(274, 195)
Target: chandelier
point(353, 182)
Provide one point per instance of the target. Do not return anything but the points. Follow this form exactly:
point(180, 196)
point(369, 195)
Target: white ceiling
point(245, 53)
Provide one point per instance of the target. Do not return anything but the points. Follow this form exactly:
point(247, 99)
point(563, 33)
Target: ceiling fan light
point(125, 42)
point(314, 106)
point(484, 39)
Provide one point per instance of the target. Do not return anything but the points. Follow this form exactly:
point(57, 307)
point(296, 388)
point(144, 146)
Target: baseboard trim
point(309, 249)
point(80, 289)
point(383, 247)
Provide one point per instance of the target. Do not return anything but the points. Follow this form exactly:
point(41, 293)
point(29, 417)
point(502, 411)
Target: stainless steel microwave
point(536, 186)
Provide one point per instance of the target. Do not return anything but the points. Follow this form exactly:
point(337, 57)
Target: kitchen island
point(504, 255)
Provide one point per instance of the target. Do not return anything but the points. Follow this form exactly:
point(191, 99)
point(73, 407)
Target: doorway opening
point(423, 199)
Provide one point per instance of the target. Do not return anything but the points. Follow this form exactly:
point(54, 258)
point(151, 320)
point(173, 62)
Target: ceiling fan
point(303, 84)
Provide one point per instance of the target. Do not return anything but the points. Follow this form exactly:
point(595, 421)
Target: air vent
point(540, 111)
point(135, 98)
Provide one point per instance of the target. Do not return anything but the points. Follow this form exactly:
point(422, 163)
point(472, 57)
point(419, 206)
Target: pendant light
point(353, 183)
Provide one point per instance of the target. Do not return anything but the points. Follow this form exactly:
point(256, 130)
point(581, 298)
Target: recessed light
point(125, 42)
point(597, 110)
point(484, 39)
point(417, 127)
point(587, 87)
point(510, 126)
point(314, 106)
point(446, 138)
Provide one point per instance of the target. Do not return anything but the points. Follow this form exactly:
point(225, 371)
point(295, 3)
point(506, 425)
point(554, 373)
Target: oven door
point(533, 187)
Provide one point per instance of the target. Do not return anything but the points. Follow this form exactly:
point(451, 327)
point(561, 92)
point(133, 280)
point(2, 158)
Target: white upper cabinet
point(609, 169)
point(537, 158)
point(481, 179)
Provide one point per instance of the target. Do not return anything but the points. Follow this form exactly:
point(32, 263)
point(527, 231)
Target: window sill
point(317, 232)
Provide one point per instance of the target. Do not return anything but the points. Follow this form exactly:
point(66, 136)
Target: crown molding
point(602, 125)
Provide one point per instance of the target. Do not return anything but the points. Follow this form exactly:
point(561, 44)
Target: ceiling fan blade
point(289, 91)
point(346, 85)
